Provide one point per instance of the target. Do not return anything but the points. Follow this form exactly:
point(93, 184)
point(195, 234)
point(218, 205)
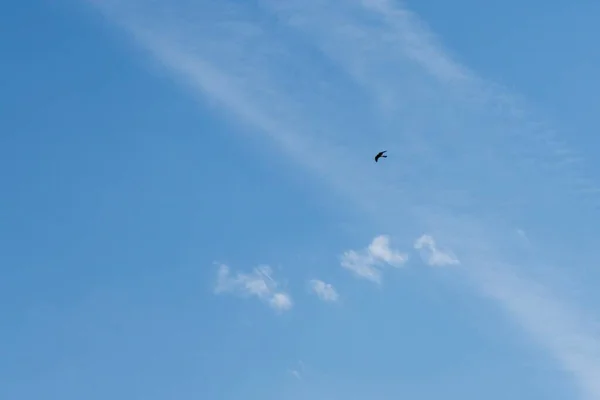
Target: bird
point(379, 155)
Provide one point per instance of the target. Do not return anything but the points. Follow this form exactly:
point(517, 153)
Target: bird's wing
point(379, 155)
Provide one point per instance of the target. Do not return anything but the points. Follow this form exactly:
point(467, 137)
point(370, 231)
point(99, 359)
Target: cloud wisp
point(368, 263)
point(475, 143)
point(259, 283)
point(390, 52)
point(432, 255)
point(298, 371)
point(325, 291)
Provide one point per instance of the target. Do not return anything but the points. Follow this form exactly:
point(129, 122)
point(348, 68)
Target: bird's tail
point(384, 156)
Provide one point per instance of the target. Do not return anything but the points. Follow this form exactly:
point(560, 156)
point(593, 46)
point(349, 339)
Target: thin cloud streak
point(553, 322)
point(259, 283)
point(387, 61)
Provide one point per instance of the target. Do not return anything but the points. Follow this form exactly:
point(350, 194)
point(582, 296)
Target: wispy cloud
point(298, 371)
point(477, 144)
point(432, 255)
point(390, 52)
point(368, 263)
point(571, 336)
point(325, 291)
point(296, 374)
point(259, 283)
point(523, 238)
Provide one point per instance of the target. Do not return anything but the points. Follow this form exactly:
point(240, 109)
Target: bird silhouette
point(379, 155)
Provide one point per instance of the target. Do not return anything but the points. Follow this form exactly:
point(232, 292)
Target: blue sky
point(191, 209)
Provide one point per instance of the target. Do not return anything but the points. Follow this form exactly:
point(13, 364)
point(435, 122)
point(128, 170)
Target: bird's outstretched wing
point(379, 155)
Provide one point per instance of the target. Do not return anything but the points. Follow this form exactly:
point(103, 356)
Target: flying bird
point(380, 154)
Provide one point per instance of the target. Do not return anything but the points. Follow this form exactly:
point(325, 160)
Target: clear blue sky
point(188, 197)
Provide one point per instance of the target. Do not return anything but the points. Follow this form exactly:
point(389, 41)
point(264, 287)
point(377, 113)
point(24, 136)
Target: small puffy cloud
point(367, 263)
point(281, 301)
point(325, 291)
point(432, 255)
point(259, 283)
point(380, 249)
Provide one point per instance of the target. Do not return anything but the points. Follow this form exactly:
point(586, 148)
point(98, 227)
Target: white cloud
point(380, 249)
point(325, 291)
point(281, 301)
point(259, 283)
point(367, 264)
point(362, 266)
point(432, 255)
